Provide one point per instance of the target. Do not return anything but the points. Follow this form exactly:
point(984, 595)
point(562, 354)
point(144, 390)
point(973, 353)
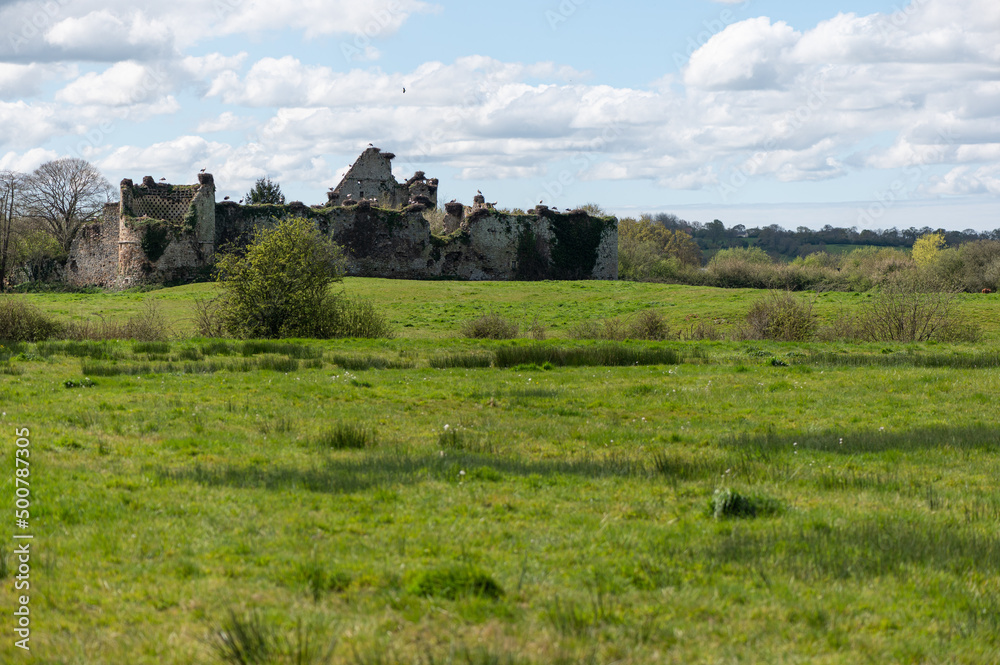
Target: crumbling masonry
point(160, 232)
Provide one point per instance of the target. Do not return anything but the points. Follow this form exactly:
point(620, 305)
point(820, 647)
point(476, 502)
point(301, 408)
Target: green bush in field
point(281, 285)
point(490, 326)
point(778, 316)
point(22, 322)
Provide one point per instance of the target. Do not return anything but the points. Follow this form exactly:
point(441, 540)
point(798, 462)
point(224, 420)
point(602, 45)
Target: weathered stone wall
point(169, 233)
point(370, 179)
point(93, 256)
point(166, 232)
point(489, 245)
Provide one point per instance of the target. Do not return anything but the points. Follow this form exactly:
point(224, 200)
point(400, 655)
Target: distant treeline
point(783, 243)
point(668, 249)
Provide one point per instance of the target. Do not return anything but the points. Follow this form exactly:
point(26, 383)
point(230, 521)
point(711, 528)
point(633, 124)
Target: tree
point(11, 188)
point(926, 248)
point(265, 191)
point(680, 246)
point(63, 195)
point(281, 285)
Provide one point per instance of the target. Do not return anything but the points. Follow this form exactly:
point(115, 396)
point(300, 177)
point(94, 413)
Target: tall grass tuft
point(253, 640)
point(605, 355)
point(348, 436)
point(253, 347)
point(727, 504)
point(356, 363)
point(466, 360)
point(455, 581)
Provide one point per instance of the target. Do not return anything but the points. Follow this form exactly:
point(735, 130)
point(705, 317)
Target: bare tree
point(11, 189)
point(65, 194)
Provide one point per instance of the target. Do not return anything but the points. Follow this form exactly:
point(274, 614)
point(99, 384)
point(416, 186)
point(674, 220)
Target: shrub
point(149, 325)
point(489, 326)
point(345, 317)
point(778, 316)
point(23, 322)
point(281, 286)
point(208, 318)
point(648, 325)
point(910, 308)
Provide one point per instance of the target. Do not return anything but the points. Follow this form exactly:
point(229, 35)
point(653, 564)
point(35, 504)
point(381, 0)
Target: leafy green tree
point(280, 286)
point(265, 191)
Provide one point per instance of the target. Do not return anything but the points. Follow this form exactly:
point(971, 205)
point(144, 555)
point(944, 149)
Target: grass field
point(734, 502)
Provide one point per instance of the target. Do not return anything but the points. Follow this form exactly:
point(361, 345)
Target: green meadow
point(433, 499)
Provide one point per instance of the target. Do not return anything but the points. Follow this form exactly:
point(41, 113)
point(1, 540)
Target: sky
point(856, 113)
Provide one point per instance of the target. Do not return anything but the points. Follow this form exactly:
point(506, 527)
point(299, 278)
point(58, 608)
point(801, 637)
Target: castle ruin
point(159, 232)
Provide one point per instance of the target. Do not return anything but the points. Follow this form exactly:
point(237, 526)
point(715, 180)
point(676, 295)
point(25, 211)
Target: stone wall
point(489, 245)
point(160, 232)
point(93, 256)
point(166, 232)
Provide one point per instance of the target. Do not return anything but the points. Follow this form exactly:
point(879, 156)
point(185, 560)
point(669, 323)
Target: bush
point(281, 286)
point(648, 325)
point(23, 322)
point(345, 317)
point(778, 316)
point(910, 308)
point(149, 325)
point(208, 318)
point(489, 326)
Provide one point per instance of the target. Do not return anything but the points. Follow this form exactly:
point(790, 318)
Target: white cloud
point(227, 121)
point(18, 81)
point(103, 35)
point(963, 181)
point(26, 162)
point(123, 84)
point(112, 30)
point(749, 55)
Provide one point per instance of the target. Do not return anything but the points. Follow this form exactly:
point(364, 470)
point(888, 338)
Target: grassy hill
point(196, 500)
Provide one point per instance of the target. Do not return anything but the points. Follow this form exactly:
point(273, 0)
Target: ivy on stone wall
point(155, 238)
point(532, 262)
point(574, 248)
